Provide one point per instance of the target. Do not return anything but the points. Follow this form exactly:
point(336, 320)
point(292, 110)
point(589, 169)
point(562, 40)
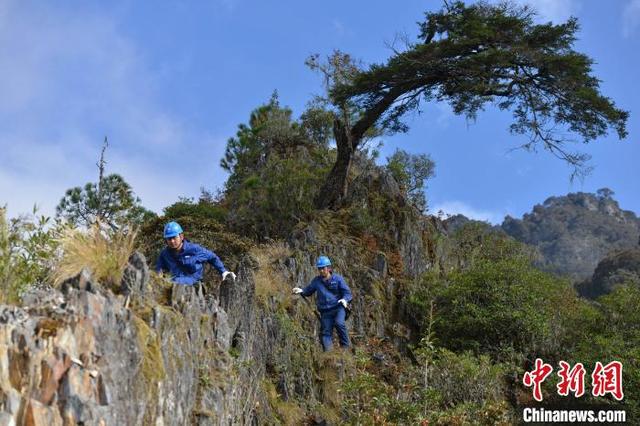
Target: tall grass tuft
point(268, 281)
point(104, 253)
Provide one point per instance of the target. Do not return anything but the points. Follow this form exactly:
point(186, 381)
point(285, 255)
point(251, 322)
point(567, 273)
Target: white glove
point(343, 303)
point(225, 274)
point(296, 290)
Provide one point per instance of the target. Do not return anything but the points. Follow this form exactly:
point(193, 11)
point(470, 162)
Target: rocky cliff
point(148, 355)
point(574, 232)
point(149, 352)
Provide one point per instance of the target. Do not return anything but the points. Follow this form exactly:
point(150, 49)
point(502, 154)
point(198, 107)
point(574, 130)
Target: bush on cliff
point(28, 249)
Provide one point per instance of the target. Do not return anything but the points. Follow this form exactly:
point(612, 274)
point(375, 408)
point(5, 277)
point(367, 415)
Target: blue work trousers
point(328, 320)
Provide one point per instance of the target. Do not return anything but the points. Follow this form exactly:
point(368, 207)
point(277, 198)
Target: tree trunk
point(335, 187)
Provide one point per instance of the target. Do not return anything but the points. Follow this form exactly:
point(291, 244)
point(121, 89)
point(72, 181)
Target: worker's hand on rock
point(296, 290)
point(343, 303)
point(226, 274)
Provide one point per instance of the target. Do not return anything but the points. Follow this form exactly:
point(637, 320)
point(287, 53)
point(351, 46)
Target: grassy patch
point(152, 367)
point(268, 281)
point(288, 413)
point(106, 254)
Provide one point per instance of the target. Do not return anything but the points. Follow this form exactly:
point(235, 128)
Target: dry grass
point(333, 367)
point(268, 281)
point(152, 367)
point(287, 412)
point(106, 254)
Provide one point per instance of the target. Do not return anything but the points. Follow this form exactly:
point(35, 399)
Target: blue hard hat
point(323, 261)
point(172, 229)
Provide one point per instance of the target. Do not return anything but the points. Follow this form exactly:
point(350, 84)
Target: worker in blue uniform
point(185, 260)
point(332, 300)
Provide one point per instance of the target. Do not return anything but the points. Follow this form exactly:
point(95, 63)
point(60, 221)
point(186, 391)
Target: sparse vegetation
point(105, 253)
point(28, 251)
point(411, 171)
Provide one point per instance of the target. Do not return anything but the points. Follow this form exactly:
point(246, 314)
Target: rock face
point(217, 354)
point(573, 233)
point(82, 357)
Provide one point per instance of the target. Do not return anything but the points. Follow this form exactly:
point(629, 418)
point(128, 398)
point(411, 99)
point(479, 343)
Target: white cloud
point(552, 10)
point(555, 10)
point(70, 77)
point(631, 18)
point(458, 207)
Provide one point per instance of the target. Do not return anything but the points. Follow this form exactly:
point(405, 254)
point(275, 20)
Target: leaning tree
point(473, 56)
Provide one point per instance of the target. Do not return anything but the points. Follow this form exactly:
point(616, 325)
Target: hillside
point(444, 323)
point(574, 232)
point(617, 268)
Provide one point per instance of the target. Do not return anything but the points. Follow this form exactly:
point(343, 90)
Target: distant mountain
point(619, 267)
point(574, 232)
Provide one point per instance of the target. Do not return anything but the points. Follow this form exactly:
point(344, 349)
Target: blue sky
point(169, 81)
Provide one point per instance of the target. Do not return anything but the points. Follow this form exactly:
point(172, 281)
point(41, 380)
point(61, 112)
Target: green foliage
point(366, 398)
point(316, 124)
point(489, 414)
point(28, 249)
point(411, 171)
point(472, 56)
point(618, 267)
point(466, 378)
point(614, 335)
point(270, 131)
point(494, 301)
point(497, 305)
point(271, 203)
point(370, 217)
point(460, 386)
point(605, 193)
point(205, 207)
point(276, 166)
point(111, 202)
point(478, 241)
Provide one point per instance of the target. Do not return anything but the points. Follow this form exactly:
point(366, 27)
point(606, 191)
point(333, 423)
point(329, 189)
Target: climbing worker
point(184, 260)
point(332, 299)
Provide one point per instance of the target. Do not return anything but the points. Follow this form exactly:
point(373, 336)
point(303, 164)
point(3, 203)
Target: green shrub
point(499, 305)
point(466, 378)
point(204, 208)
point(269, 203)
point(615, 336)
point(411, 171)
point(477, 241)
point(28, 249)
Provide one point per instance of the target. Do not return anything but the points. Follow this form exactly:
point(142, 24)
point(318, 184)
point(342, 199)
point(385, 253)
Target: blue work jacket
point(186, 265)
point(329, 292)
